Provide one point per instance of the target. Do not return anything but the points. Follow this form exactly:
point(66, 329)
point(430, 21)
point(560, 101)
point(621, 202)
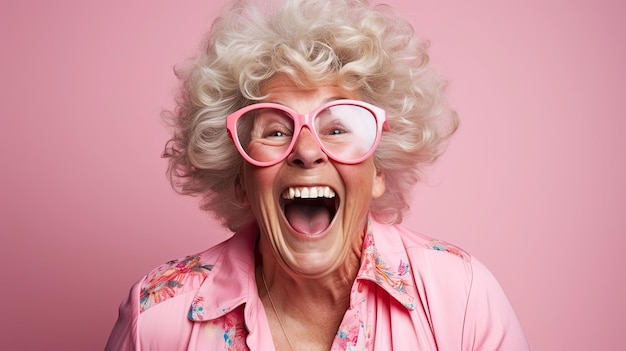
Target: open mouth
point(309, 210)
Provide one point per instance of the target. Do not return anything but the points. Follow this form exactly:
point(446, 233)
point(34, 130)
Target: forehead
point(283, 90)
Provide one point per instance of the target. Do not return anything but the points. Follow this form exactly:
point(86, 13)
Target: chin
point(316, 258)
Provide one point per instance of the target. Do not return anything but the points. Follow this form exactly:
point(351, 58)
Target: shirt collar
point(233, 273)
point(384, 261)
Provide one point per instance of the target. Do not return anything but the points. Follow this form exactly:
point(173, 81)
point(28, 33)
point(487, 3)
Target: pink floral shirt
point(411, 293)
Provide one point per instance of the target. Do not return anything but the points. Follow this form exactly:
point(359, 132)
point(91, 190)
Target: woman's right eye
point(277, 130)
point(274, 124)
point(276, 134)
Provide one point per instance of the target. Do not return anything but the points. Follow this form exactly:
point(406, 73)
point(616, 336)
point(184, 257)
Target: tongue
point(307, 219)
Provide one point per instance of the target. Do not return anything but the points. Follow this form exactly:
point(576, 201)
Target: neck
point(329, 289)
point(309, 324)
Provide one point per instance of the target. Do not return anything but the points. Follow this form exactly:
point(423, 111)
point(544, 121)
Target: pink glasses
point(348, 131)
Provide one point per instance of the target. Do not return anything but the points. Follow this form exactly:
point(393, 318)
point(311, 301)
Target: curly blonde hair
point(363, 48)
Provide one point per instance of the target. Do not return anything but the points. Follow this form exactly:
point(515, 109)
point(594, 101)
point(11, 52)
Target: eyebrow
point(325, 101)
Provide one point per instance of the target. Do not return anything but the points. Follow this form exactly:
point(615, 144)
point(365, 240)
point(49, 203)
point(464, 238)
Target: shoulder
point(447, 273)
point(176, 277)
point(153, 310)
point(441, 265)
point(459, 294)
point(173, 278)
point(438, 267)
point(168, 282)
point(438, 257)
point(421, 246)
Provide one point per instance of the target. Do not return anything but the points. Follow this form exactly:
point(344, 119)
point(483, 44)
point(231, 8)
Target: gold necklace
point(275, 311)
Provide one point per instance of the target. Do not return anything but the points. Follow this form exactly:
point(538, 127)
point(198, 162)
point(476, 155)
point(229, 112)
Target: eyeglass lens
point(346, 132)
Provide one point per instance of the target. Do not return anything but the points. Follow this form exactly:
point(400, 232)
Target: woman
point(303, 126)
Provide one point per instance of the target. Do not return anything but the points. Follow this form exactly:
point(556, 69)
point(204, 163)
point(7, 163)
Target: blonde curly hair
point(361, 47)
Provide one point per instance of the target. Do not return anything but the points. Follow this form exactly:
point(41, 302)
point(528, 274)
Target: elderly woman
point(302, 126)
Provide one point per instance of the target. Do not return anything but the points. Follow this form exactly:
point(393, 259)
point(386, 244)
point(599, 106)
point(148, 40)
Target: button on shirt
point(411, 293)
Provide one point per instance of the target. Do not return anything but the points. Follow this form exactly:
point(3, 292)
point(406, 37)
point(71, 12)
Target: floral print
point(197, 308)
point(442, 246)
point(374, 266)
point(230, 328)
point(346, 339)
point(168, 279)
point(353, 334)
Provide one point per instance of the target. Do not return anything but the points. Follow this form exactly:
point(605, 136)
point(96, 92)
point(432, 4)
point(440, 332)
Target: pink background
point(532, 184)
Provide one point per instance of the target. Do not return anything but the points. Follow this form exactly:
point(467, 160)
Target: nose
point(306, 152)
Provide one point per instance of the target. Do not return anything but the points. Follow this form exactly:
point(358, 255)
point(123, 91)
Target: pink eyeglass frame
point(305, 120)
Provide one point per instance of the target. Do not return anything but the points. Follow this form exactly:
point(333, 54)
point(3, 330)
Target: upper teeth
point(308, 192)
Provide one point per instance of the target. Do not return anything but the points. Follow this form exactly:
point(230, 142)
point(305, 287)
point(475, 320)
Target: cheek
point(361, 184)
point(258, 181)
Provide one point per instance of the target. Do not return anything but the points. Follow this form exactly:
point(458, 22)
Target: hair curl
point(363, 48)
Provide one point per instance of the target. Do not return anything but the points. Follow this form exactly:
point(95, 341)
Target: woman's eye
point(276, 134)
point(333, 130)
point(329, 125)
point(277, 130)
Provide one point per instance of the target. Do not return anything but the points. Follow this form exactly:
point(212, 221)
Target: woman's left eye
point(335, 129)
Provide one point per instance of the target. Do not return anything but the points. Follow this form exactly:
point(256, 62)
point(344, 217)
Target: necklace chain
point(275, 311)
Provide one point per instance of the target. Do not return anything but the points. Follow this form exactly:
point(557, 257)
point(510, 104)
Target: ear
point(378, 186)
point(240, 192)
